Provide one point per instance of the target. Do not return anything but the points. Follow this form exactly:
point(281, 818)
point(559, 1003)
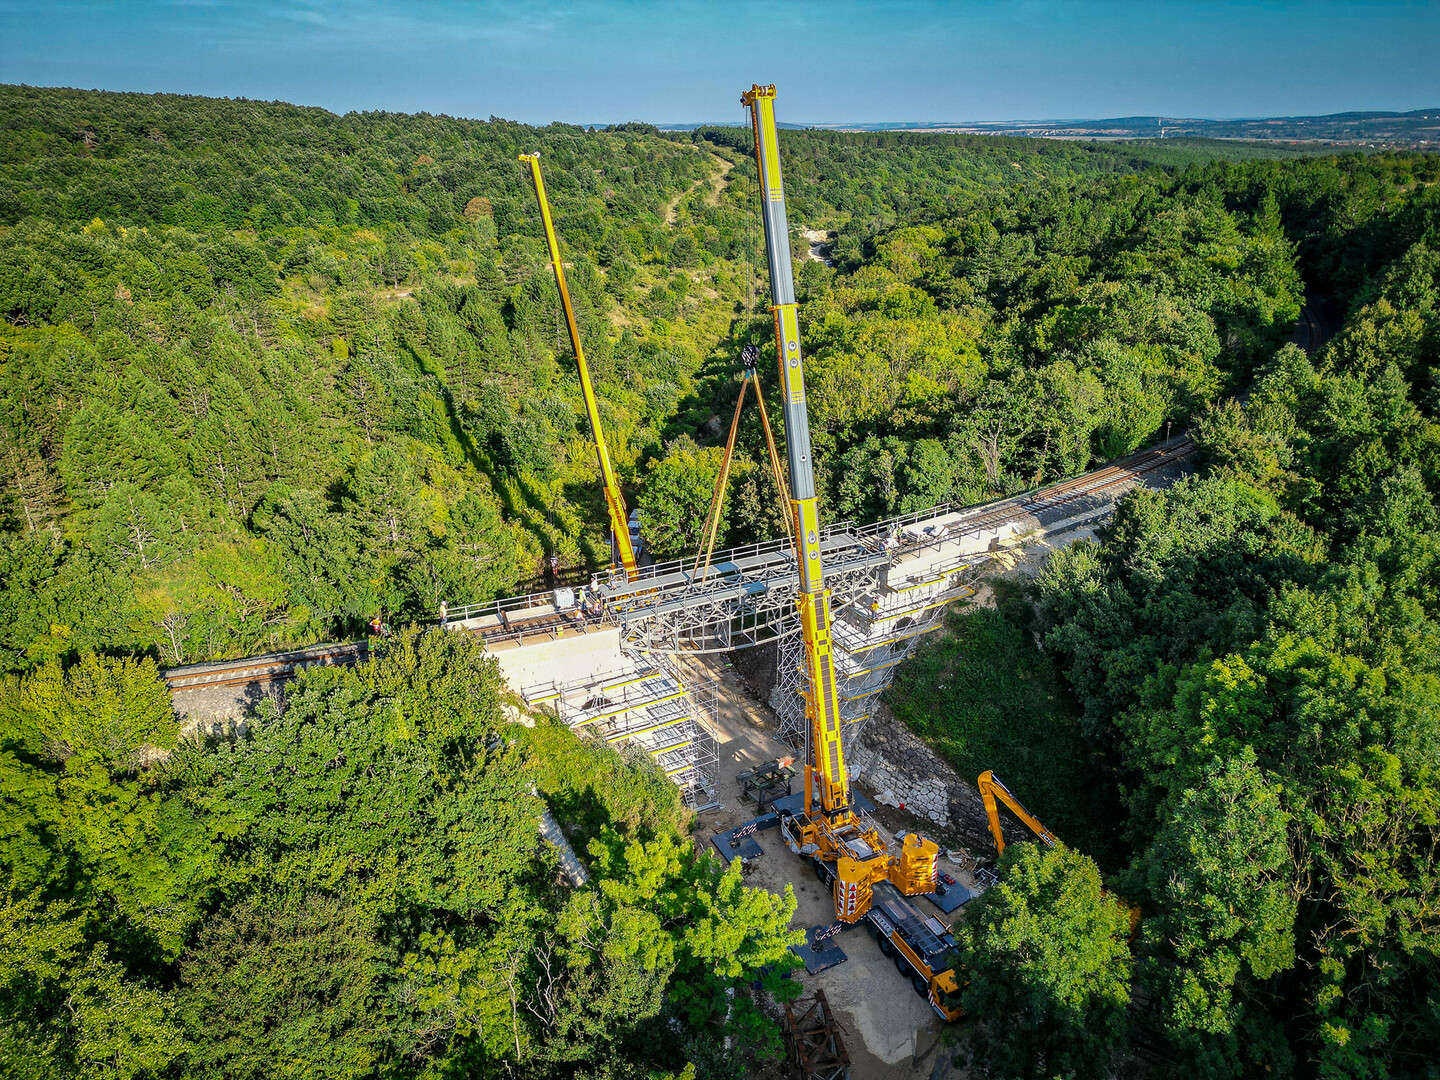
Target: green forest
point(266, 372)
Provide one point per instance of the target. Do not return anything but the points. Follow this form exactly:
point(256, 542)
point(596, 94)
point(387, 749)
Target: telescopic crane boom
point(842, 847)
point(821, 700)
point(614, 500)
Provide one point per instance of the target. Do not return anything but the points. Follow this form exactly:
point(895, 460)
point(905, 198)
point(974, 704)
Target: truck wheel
point(820, 872)
point(920, 987)
point(886, 949)
point(901, 964)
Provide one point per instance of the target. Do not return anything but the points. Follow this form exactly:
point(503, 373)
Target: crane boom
point(614, 500)
point(826, 762)
point(845, 849)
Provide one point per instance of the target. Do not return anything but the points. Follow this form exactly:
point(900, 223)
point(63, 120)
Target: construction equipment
point(993, 788)
point(766, 782)
point(614, 500)
point(751, 356)
point(814, 1047)
point(922, 948)
point(845, 850)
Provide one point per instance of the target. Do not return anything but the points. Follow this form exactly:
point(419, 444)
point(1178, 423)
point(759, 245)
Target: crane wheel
point(919, 984)
point(901, 964)
point(886, 949)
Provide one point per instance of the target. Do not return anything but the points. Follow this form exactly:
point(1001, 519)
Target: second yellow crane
point(614, 500)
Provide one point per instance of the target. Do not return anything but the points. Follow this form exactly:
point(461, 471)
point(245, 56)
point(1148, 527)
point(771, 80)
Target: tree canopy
point(357, 888)
point(267, 372)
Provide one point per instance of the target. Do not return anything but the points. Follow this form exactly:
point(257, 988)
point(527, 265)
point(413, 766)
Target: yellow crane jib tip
point(757, 91)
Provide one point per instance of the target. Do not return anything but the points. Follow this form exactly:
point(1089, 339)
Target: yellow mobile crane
point(827, 831)
point(614, 500)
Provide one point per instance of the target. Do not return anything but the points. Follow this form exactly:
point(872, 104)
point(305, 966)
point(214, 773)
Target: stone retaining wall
point(898, 768)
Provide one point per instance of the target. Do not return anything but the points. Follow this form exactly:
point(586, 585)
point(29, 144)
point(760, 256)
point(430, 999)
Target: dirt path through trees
point(716, 180)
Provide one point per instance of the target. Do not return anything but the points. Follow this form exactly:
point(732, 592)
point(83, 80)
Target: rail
point(515, 618)
point(611, 598)
point(271, 667)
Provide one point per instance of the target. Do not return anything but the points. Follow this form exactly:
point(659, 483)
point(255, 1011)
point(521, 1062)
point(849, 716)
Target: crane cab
point(845, 854)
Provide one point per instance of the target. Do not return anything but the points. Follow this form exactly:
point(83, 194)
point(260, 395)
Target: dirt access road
point(885, 1023)
point(819, 242)
point(716, 181)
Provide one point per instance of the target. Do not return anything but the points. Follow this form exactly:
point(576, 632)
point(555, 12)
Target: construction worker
point(444, 615)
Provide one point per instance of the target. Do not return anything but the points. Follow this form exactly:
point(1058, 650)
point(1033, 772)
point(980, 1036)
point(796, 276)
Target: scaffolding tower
point(927, 570)
point(646, 710)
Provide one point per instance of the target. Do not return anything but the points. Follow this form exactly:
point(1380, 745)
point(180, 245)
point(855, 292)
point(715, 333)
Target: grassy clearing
point(983, 696)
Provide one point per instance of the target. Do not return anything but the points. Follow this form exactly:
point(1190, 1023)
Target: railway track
point(1081, 487)
point(272, 667)
point(280, 667)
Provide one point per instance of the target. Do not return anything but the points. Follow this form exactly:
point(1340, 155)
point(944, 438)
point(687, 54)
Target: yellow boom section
point(614, 501)
point(826, 759)
point(991, 787)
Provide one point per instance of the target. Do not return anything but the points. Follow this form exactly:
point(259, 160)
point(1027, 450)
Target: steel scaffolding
point(648, 710)
point(890, 584)
point(744, 597)
point(872, 635)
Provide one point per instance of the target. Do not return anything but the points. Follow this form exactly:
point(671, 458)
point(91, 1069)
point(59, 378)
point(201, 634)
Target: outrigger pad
point(730, 848)
point(793, 804)
point(949, 898)
point(830, 953)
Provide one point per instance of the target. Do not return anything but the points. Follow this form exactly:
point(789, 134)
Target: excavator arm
point(992, 788)
point(614, 500)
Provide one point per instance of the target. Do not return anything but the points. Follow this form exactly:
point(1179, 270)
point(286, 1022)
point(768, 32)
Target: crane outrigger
point(614, 500)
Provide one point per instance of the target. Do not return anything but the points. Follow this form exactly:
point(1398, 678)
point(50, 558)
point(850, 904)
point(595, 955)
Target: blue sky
point(835, 61)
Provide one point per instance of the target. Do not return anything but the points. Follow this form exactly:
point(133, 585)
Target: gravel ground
point(885, 1023)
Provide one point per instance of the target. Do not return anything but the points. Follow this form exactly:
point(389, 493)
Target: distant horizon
point(1059, 120)
point(689, 125)
point(843, 62)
